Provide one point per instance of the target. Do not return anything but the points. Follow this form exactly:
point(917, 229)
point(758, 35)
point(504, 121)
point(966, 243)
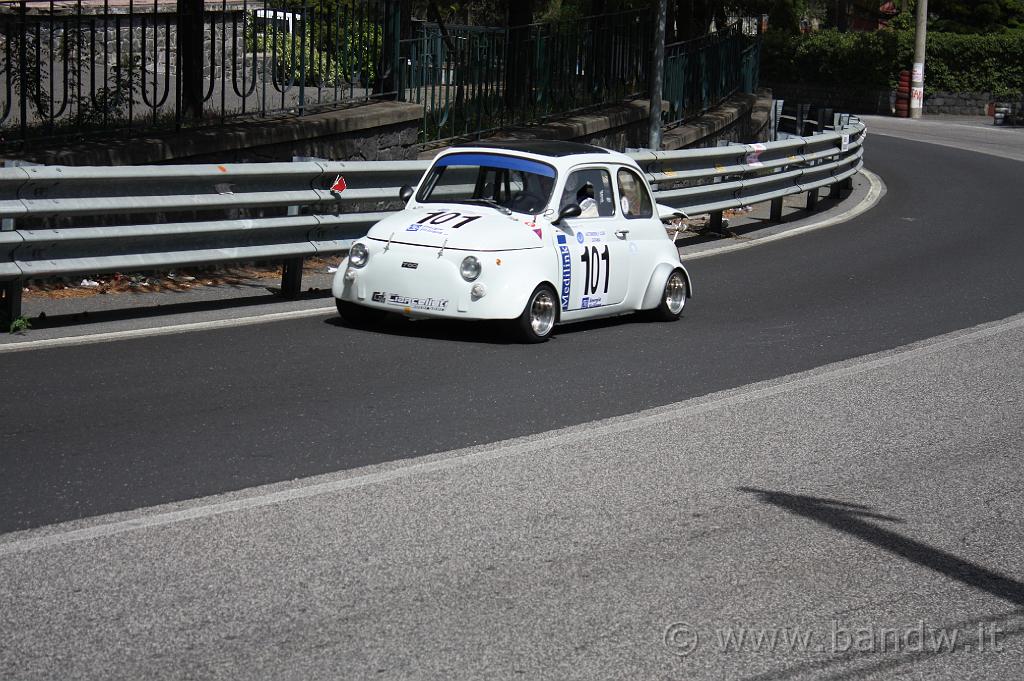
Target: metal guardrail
point(714, 180)
point(287, 211)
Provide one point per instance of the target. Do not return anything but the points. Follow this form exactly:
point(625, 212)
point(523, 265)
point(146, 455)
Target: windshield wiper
point(488, 202)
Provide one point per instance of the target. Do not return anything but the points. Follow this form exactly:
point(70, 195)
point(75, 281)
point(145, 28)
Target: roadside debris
point(176, 280)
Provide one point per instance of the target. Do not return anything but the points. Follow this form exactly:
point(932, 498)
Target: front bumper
point(422, 282)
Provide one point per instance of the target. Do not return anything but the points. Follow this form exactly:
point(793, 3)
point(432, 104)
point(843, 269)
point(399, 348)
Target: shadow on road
point(488, 332)
point(852, 519)
point(155, 310)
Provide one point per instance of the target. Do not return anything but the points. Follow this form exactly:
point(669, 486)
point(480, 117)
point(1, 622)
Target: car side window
point(634, 199)
point(591, 190)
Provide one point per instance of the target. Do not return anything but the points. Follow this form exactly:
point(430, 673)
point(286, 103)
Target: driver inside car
point(535, 188)
point(586, 201)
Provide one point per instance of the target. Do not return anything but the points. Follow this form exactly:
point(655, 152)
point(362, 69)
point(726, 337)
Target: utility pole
point(657, 76)
point(917, 75)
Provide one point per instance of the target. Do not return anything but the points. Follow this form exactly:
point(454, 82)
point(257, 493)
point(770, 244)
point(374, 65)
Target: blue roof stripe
point(498, 161)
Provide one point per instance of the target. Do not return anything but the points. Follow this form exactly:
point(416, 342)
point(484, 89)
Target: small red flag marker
point(339, 184)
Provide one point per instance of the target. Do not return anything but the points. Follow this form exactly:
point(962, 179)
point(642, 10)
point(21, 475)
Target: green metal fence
point(472, 81)
point(701, 73)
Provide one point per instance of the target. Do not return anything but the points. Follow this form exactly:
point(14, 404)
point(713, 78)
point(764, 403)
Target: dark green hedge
point(955, 62)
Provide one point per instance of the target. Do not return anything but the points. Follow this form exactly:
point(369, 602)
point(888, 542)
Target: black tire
point(672, 302)
point(538, 318)
point(359, 316)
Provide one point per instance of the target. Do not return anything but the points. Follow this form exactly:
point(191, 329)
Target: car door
point(594, 261)
point(643, 231)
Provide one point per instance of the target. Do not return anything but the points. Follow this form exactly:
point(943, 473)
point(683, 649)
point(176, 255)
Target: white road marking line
point(875, 192)
point(161, 330)
point(53, 536)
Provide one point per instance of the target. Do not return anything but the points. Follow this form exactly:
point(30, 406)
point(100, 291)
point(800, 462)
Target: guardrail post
point(10, 301)
point(291, 270)
point(10, 291)
point(291, 278)
point(801, 118)
point(715, 223)
point(812, 199)
point(776, 214)
point(841, 189)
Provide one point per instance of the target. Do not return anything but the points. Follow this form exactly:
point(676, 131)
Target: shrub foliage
point(954, 62)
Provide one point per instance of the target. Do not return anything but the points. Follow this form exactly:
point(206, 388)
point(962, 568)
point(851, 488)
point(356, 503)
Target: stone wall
point(383, 131)
point(742, 118)
point(380, 131)
point(617, 126)
point(959, 103)
point(881, 101)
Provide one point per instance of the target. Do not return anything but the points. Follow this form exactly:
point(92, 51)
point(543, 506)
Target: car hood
point(461, 227)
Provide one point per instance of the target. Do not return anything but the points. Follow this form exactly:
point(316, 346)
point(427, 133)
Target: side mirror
point(405, 193)
point(570, 211)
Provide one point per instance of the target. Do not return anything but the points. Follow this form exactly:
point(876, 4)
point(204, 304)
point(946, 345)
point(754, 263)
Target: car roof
point(554, 148)
point(559, 153)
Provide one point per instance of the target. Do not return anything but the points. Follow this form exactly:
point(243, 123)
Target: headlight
point(358, 255)
point(470, 268)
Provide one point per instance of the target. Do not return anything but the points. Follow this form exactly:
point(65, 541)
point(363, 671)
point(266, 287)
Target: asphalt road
point(108, 428)
point(874, 493)
point(828, 508)
point(973, 133)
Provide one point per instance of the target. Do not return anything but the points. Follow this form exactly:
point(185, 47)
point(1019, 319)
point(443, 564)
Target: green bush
point(954, 62)
point(301, 60)
point(958, 62)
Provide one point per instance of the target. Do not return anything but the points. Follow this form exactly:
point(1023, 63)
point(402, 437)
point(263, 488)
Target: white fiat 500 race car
point(536, 233)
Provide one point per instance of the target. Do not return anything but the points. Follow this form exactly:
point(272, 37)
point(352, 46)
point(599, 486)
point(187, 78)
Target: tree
point(980, 16)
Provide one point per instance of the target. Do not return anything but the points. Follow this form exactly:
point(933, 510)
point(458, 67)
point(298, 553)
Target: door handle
point(622, 233)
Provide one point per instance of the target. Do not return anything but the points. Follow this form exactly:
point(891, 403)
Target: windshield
point(503, 182)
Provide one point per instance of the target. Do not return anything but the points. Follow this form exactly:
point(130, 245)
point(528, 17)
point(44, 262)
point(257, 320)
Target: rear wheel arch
point(656, 284)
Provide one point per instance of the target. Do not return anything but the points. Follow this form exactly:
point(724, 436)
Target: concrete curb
point(876, 191)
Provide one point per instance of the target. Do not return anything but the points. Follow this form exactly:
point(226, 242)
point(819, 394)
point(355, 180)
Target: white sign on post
point(754, 155)
point(917, 91)
point(916, 97)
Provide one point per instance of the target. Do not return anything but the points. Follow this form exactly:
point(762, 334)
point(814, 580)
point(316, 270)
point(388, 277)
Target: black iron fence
point(72, 67)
